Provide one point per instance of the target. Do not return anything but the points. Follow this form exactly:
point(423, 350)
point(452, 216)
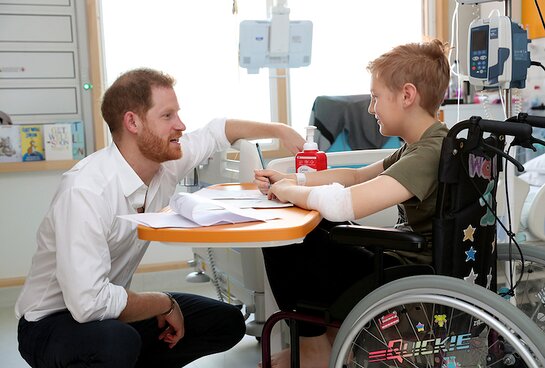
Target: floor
point(246, 354)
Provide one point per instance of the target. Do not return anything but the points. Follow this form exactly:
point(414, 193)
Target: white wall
point(24, 200)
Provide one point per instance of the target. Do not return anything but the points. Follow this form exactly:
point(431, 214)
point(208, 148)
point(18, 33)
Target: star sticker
point(420, 327)
point(470, 254)
point(471, 277)
point(440, 319)
point(468, 233)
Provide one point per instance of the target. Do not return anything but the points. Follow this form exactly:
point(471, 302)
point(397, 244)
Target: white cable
point(485, 102)
point(454, 40)
point(500, 92)
point(518, 102)
point(453, 34)
point(215, 273)
point(494, 11)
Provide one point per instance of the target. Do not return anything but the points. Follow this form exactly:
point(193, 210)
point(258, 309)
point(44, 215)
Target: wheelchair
point(447, 314)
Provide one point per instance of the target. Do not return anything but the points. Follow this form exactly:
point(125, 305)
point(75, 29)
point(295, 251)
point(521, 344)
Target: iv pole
point(507, 92)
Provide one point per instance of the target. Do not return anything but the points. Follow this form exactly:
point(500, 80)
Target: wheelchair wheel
point(529, 295)
point(436, 321)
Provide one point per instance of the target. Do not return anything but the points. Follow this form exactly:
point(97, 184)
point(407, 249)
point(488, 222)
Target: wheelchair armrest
point(392, 239)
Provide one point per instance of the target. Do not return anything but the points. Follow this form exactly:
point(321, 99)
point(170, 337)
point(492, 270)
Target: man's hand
point(290, 139)
point(172, 325)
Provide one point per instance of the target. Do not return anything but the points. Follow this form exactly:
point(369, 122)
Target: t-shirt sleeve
point(394, 157)
point(416, 170)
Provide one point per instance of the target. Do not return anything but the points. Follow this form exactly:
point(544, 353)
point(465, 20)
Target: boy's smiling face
point(387, 107)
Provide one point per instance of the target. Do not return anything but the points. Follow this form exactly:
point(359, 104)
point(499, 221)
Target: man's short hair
point(131, 91)
point(423, 64)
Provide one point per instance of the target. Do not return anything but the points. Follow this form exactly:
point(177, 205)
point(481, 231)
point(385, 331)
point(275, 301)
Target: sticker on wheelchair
point(388, 320)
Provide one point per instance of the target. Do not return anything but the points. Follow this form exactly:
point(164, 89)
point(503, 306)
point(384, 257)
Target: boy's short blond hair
point(423, 64)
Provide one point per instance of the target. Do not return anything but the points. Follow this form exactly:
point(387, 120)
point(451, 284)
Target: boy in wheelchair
point(408, 85)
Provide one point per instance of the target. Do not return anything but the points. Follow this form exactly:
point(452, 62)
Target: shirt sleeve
point(82, 220)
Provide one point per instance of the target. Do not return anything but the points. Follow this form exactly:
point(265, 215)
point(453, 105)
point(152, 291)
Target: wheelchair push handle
point(521, 132)
point(517, 130)
point(535, 121)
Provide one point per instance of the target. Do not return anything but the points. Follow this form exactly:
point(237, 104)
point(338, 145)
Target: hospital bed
point(532, 214)
point(528, 203)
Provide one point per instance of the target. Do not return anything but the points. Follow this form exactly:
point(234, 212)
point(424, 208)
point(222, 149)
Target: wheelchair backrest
point(464, 228)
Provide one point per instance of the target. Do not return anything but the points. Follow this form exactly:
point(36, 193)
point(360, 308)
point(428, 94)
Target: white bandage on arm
point(334, 202)
point(301, 179)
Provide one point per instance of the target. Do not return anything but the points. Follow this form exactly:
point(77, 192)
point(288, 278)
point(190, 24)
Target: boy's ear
point(130, 122)
point(409, 94)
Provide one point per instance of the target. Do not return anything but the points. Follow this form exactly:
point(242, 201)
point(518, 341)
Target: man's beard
point(155, 148)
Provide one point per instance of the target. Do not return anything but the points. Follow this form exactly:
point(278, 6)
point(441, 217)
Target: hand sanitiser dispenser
point(310, 159)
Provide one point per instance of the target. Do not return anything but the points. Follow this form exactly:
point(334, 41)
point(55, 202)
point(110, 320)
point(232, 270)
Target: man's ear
point(409, 94)
point(130, 121)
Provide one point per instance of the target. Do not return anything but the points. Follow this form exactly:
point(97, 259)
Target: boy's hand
point(279, 190)
point(264, 179)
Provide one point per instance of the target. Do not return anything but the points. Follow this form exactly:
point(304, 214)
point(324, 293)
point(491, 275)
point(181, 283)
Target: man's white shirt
point(86, 256)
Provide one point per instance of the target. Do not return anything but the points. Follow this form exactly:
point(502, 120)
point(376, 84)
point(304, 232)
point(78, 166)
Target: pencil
point(260, 154)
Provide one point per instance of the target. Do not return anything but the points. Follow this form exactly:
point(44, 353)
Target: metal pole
point(510, 171)
point(507, 92)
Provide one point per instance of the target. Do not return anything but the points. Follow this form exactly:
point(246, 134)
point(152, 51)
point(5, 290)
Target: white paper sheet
point(229, 194)
point(192, 210)
point(242, 198)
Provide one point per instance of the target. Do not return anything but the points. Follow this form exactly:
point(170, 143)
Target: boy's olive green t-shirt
point(416, 167)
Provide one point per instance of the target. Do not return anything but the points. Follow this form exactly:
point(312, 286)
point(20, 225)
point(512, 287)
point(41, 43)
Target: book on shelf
point(32, 146)
point(10, 143)
point(78, 140)
point(57, 141)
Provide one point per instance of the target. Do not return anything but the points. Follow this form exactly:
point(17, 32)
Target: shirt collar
point(133, 187)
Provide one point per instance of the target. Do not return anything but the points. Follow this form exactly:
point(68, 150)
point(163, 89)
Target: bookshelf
point(43, 74)
point(13, 167)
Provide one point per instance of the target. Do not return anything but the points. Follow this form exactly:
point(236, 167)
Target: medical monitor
point(254, 45)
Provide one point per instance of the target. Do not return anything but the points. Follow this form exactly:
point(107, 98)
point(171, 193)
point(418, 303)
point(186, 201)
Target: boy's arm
point(366, 198)
point(377, 194)
point(345, 176)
